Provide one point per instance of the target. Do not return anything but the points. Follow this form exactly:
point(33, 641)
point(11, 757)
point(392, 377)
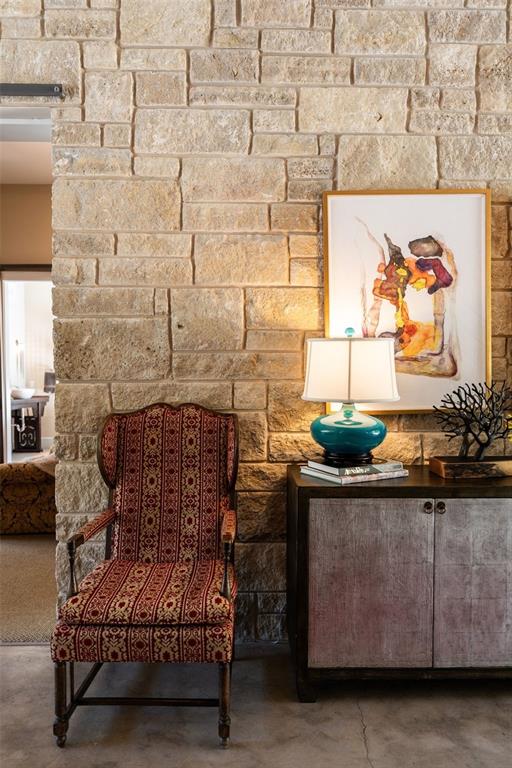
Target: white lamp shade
point(350, 370)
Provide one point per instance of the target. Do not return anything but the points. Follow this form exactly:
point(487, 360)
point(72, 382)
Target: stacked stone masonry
point(190, 153)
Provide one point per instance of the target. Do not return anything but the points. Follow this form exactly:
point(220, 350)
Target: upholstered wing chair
point(165, 591)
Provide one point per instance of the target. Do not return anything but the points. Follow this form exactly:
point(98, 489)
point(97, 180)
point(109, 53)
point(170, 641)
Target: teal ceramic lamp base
point(348, 436)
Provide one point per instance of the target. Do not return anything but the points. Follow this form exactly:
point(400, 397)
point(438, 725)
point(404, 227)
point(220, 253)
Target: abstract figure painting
point(413, 266)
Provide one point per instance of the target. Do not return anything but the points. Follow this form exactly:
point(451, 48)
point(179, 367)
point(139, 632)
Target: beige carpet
point(27, 588)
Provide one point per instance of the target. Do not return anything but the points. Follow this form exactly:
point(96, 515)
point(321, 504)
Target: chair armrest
point(228, 529)
point(86, 532)
point(93, 527)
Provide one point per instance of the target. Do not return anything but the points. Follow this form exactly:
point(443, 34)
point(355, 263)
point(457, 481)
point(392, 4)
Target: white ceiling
point(25, 148)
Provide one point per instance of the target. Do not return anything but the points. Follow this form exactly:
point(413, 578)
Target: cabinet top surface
point(421, 483)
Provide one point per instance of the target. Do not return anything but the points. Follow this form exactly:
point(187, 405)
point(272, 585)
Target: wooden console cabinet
point(408, 577)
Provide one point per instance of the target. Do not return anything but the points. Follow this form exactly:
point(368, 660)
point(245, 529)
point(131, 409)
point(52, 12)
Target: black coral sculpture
point(478, 413)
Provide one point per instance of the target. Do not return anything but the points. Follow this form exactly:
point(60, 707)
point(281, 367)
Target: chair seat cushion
point(124, 592)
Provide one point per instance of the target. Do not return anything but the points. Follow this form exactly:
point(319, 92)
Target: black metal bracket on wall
point(32, 89)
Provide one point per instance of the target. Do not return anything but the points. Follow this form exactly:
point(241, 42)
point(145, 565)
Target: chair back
point(172, 473)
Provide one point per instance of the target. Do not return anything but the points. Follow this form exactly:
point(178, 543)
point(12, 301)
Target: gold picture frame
point(484, 196)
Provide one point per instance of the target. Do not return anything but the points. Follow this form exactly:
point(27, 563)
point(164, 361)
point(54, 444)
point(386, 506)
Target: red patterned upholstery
point(202, 643)
point(126, 592)
point(171, 472)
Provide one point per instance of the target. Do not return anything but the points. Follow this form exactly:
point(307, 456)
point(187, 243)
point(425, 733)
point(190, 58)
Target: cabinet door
point(473, 584)
point(370, 583)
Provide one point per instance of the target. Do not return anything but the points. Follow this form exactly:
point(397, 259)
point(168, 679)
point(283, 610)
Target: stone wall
point(190, 153)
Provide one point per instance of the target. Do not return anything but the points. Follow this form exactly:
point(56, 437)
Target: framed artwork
point(415, 266)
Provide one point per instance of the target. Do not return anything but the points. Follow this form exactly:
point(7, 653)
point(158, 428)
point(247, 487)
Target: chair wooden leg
point(224, 702)
point(60, 724)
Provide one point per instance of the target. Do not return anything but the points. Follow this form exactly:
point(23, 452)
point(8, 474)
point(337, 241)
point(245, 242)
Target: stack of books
point(364, 473)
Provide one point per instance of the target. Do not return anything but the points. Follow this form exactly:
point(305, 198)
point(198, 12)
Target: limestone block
point(327, 144)
point(323, 17)
point(305, 69)
point(479, 157)
point(73, 271)
point(136, 244)
point(272, 602)
point(117, 135)
point(64, 447)
point(474, 26)
point(116, 205)
point(379, 162)
point(261, 476)
point(495, 78)
point(161, 301)
point(494, 123)
point(294, 217)
point(235, 38)
point(88, 555)
point(82, 244)
point(261, 566)
point(252, 435)
point(250, 395)
point(160, 88)
point(237, 365)
point(261, 516)
point(306, 272)
point(207, 318)
point(353, 110)
point(400, 446)
point(187, 131)
point(439, 122)
point(273, 120)
point(88, 161)
point(76, 134)
point(87, 447)
point(501, 309)
point(153, 59)
point(418, 422)
point(18, 28)
point(296, 40)
point(218, 65)
point(79, 489)
point(225, 217)
point(287, 412)
point(292, 447)
point(145, 271)
point(274, 308)
point(243, 179)
point(225, 13)
point(271, 627)
point(81, 407)
point(388, 71)
point(20, 7)
point(108, 96)
point(308, 190)
point(499, 346)
point(165, 22)
point(159, 166)
point(99, 54)
point(311, 168)
point(65, 114)
point(80, 24)
point(304, 246)
point(242, 96)
point(284, 144)
point(69, 302)
point(499, 231)
point(274, 341)
point(112, 348)
point(425, 98)
point(458, 99)
point(452, 64)
point(245, 617)
point(43, 61)
point(379, 31)
point(127, 396)
point(241, 259)
point(275, 13)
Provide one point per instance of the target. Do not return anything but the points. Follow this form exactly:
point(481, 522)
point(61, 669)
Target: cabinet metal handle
point(427, 507)
point(441, 507)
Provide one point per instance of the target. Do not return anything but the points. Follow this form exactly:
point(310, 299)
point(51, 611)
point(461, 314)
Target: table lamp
point(349, 370)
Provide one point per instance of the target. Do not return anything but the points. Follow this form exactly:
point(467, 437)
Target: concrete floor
point(413, 725)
